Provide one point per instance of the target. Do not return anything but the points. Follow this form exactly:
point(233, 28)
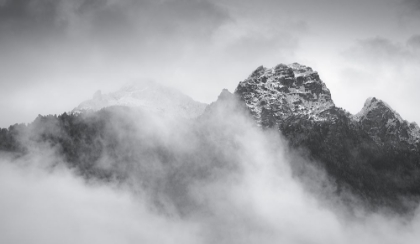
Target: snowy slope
point(149, 96)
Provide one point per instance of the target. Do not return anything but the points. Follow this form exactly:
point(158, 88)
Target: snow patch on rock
point(380, 118)
point(285, 90)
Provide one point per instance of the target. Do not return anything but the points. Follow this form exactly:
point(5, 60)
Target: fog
point(56, 54)
point(58, 207)
point(169, 180)
point(225, 181)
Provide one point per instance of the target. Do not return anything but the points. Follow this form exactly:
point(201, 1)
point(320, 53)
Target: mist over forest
point(160, 155)
point(123, 175)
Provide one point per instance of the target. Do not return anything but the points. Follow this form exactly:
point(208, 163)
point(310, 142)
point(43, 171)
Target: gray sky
point(55, 54)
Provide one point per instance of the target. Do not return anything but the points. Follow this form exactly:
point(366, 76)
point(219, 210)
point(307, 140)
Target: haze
point(230, 183)
point(56, 54)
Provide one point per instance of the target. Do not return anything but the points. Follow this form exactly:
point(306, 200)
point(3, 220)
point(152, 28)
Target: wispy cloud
point(222, 181)
point(382, 51)
point(386, 69)
point(110, 16)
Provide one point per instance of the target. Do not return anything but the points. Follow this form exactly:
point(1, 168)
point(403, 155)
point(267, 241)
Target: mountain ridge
point(374, 154)
point(147, 95)
point(285, 90)
point(275, 94)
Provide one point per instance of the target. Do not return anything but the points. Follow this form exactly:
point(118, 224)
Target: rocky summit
point(375, 153)
point(384, 124)
point(275, 94)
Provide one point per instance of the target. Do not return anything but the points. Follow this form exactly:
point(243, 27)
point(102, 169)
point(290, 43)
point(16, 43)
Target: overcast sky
point(55, 54)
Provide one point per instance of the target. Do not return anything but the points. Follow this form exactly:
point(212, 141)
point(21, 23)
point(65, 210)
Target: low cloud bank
point(218, 180)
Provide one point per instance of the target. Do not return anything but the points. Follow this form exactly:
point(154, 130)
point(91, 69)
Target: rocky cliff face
point(275, 94)
point(385, 125)
point(375, 153)
point(278, 94)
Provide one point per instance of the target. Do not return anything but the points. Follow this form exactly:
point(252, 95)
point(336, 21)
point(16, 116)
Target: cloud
point(381, 51)
point(28, 15)
point(239, 187)
point(38, 206)
point(408, 11)
point(66, 50)
point(414, 41)
point(107, 17)
point(382, 68)
point(108, 28)
point(412, 4)
point(246, 41)
point(56, 47)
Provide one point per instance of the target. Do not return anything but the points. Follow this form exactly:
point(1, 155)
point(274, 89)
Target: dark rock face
point(275, 94)
point(386, 126)
point(375, 154)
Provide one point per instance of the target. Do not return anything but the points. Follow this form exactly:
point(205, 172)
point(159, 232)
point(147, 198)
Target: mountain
point(280, 94)
point(385, 125)
point(375, 153)
point(149, 96)
point(275, 94)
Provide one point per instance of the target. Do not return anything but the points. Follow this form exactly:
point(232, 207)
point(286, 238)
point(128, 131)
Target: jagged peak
point(225, 94)
point(299, 69)
point(374, 104)
point(292, 76)
point(285, 90)
point(378, 116)
point(298, 66)
point(288, 70)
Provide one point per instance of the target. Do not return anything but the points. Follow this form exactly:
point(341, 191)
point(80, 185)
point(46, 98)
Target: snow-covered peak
point(374, 104)
point(285, 90)
point(381, 121)
point(149, 96)
point(225, 94)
